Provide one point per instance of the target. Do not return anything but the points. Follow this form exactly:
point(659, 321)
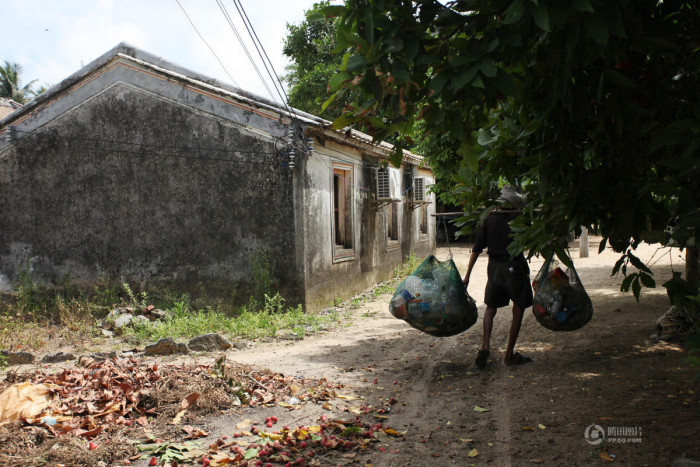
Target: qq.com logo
point(594, 434)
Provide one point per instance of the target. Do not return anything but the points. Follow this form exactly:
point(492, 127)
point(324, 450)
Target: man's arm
point(472, 260)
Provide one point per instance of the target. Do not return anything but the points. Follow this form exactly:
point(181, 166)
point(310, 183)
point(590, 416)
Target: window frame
point(392, 215)
point(342, 177)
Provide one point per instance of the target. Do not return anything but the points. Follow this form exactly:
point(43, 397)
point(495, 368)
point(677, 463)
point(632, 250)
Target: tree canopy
point(310, 45)
point(11, 83)
point(590, 106)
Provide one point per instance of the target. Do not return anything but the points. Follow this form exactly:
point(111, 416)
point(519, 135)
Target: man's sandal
point(518, 359)
point(482, 358)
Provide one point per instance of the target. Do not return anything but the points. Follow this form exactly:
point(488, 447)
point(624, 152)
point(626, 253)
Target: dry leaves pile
point(126, 399)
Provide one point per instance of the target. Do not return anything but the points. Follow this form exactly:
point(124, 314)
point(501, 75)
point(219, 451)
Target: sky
point(52, 39)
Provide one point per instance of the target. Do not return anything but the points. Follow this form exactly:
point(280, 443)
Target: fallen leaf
point(327, 406)
point(605, 456)
point(178, 418)
point(348, 398)
point(466, 440)
point(244, 424)
point(473, 453)
point(480, 409)
point(272, 436)
point(392, 432)
point(285, 405)
point(251, 454)
point(541, 426)
point(355, 410)
point(528, 428)
point(606, 419)
point(189, 400)
point(537, 461)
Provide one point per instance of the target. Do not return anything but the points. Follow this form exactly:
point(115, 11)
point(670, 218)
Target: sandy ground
point(609, 373)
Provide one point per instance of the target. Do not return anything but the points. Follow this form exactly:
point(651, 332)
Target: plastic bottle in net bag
point(560, 303)
point(433, 300)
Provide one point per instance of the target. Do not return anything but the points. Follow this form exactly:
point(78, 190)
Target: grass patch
point(40, 318)
point(247, 323)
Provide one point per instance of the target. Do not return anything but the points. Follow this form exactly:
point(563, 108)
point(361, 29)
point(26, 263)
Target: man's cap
point(511, 196)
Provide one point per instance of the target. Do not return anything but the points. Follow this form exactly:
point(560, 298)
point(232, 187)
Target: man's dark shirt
point(494, 235)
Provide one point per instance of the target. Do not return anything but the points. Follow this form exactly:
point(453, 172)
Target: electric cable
point(245, 49)
point(210, 48)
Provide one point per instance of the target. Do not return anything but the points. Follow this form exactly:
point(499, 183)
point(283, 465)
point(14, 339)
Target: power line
point(207, 44)
point(245, 48)
point(266, 59)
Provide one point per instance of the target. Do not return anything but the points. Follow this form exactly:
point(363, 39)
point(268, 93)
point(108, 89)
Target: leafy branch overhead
point(590, 106)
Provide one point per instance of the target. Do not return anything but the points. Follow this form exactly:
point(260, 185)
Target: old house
point(135, 169)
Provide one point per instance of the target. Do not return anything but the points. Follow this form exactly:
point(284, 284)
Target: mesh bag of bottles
point(560, 303)
point(433, 299)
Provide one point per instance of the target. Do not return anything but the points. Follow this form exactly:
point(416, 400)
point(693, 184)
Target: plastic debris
point(433, 299)
point(560, 303)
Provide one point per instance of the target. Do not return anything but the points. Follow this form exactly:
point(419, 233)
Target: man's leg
point(514, 331)
point(483, 356)
point(488, 326)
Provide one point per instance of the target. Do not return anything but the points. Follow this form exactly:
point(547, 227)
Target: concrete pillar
point(583, 243)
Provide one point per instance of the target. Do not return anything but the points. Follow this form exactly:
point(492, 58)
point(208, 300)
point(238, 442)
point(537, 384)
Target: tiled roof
point(7, 106)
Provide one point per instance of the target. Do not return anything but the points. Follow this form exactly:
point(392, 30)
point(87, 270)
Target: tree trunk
point(691, 263)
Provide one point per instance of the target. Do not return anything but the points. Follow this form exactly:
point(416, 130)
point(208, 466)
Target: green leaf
point(514, 12)
point(343, 121)
point(619, 263)
point(563, 257)
point(471, 157)
point(637, 263)
point(355, 62)
point(505, 84)
point(636, 288)
point(488, 68)
point(333, 10)
point(438, 82)
point(460, 81)
point(394, 44)
point(627, 282)
point(337, 81)
point(601, 247)
point(329, 101)
point(477, 82)
point(541, 17)
point(647, 280)
point(582, 5)
point(397, 156)
point(484, 138)
point(251, 454)
point(480, 409)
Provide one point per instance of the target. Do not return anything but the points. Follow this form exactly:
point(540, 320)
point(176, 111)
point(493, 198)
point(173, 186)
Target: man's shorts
point(508, 280)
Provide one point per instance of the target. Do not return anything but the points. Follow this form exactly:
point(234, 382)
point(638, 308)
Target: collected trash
point(433, 299)
point(560, 303)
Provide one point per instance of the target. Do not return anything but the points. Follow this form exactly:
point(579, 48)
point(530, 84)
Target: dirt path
point(608, 374)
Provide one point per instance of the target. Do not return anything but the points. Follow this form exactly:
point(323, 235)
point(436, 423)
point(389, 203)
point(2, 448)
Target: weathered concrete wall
point(131, 184)
point(373, 261)
point(132, 170)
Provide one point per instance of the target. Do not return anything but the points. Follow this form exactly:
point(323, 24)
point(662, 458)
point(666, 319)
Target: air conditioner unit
point(419, 194)
point(388, 184)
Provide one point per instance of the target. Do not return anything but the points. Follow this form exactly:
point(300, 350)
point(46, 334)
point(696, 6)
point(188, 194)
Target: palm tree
point(10, 83)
